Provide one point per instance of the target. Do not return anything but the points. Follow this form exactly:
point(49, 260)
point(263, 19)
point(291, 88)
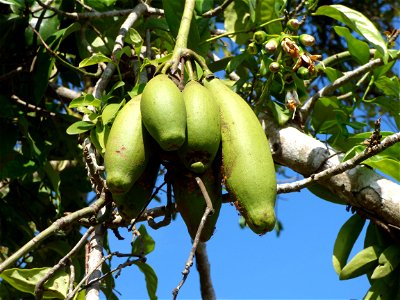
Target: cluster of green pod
point(192, 126)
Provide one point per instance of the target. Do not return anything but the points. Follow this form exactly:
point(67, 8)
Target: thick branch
point(340, 168)
point(203, 267)
point(360, 187)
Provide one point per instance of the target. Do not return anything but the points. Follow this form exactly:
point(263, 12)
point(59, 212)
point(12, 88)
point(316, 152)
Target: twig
point(96, 14)
point(53, 228)
point(217, 9)
point(98, 183)
point(81, 285)
point(209, 209)
point(306, 109)
point(62, 61)
point(340, 168)
point(119, 42)
point(71, 277)
point(32, 107)
point(11, 74)
point(203, 267)
point(40, 285)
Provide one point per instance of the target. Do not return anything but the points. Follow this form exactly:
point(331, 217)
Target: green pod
point(203, 132)
point(248, 167)
point(131, 204)
point(164, 112)
point(127, 148)
point(190, 201)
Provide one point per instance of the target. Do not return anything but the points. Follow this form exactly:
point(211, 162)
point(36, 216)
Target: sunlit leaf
point(85, 100)
point(25, 280)
point(109, 112)
point(359, 50)
point(151, 279)
point(357, 22)
point(94, 59)
point(143, 244)
point(80, 127)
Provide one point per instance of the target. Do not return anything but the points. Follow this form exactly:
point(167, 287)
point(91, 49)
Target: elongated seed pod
point(127, 149)
point(164, 113)
point(190, 200)
point(203, 131)
point(248, 167)
point(131, 204)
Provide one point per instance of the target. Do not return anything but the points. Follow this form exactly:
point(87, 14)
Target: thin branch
point(40, 285)
point(96, 14)
point(53, 228)
point(62, 61)
point(340, 168)
point(217, 9)
point(203, 267)
point(81, 284)
point(11, 74)
point(309, 104)
point(209, 209)
point(101, 84)
point(32, 107)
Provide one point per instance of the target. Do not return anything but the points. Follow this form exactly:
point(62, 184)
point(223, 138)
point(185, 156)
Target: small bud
point(274, 67)
point(252, 48)
point(259, 36)
point(307, 40)
point(303, 73)
point(293, 24)
point(271, 45)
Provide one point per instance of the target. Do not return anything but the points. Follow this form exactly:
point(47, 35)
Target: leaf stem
point(182, 37)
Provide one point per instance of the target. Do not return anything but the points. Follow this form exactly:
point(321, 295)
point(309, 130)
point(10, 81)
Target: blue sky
point(295, 265)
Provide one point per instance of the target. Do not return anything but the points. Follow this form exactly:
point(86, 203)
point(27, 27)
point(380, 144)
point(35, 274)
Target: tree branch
point(60, 264)
point(101, 84)
point(360, 187)
point(203, 267)
point(217, 9)
point(306, 109)
point(340, 168)
point(96, 14)
point(53, 228)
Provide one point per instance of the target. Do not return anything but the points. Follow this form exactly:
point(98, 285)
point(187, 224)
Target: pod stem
point(200, 60)
point(182, 37)
point(191, 73)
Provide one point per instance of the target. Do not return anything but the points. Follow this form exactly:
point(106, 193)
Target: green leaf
point(80, 127)
point(133, 37)
point(151, 279)
point(144, 243)
point(357, 22)
point(345, 240)
point(237, 19)
point(116, 86)
point(25, 280)
point(85, 100)
point(359, 50)
point(267, 10)
point(388, 261)
point(202, 6)
point(363, 262)
point(390, 86)
point(54, 177)
point(94, 59)
point(323, 193)
point(109, 112)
